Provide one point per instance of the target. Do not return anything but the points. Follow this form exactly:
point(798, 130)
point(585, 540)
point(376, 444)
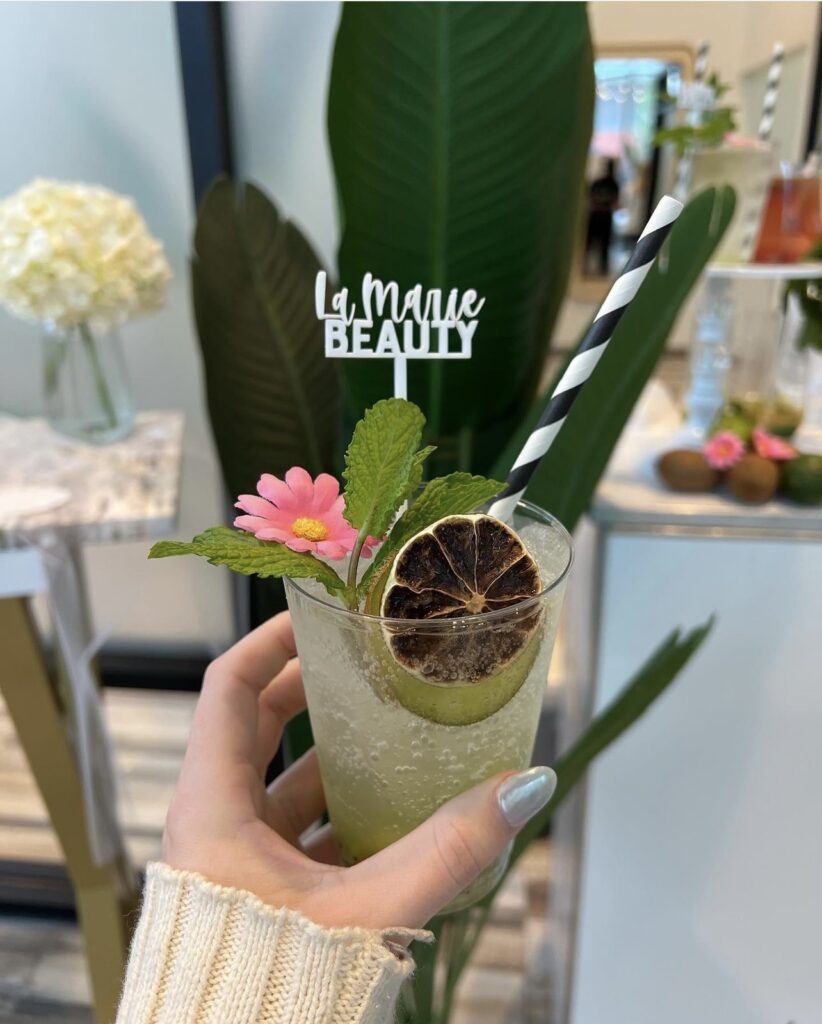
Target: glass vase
point(85, 383)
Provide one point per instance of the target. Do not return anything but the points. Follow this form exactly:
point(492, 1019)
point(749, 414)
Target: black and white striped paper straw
point(701, 62)
point(771, 94)
point(684, 170)
point(754, 210)
point(588, 355)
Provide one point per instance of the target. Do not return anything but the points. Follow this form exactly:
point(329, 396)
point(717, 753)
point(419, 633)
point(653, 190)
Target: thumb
point(418, 875)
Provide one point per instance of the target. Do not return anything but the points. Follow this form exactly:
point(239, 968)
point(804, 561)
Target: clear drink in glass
point(385, 768)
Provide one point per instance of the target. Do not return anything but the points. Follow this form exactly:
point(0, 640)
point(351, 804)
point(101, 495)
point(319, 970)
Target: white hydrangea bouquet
point(80, 261)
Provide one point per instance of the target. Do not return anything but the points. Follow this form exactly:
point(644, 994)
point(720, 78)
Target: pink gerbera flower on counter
point(770, 447)
point(303, 514)
point(723, 450)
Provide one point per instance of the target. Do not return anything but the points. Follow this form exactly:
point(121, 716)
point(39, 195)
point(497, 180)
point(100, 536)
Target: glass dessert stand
point(738, 343)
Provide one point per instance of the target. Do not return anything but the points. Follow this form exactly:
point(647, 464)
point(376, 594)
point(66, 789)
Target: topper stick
point(389, 325)
point(400, 377)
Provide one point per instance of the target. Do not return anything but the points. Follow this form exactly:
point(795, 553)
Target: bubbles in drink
point(385, 769)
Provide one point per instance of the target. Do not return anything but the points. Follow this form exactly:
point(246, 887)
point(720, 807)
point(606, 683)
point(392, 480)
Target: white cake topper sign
point(416, 325)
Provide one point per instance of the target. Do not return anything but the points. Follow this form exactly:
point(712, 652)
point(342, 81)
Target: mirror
point(636, 90)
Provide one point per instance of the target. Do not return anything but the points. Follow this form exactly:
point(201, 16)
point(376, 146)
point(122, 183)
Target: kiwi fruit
point(684, 469)
point(753, 479)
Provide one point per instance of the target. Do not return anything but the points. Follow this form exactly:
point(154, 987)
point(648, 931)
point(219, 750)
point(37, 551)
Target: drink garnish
point(460, 566)
point(384, 467)
point(436, 542)
point(455, 494)
point(243, 553)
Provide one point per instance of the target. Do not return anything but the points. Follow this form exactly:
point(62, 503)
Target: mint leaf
point(452, 495)
point(381, 462)
point(417, 470)
point(243, 553)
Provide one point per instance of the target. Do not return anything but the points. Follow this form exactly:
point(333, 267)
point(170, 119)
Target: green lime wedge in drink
point(438, 664)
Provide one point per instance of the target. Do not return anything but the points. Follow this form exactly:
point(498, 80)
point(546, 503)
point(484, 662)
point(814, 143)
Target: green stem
point(465, 442)
point(421, 1008)
point(441, 126)
point(97, 371)
point(456, 931)
point(55, 357)
point(463, 955)
point(351, 587)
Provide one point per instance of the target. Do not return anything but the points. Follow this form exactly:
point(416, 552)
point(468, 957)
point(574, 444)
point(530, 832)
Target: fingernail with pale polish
point(522, 795)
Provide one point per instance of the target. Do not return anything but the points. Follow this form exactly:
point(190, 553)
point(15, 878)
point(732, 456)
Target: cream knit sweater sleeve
point(206, 954)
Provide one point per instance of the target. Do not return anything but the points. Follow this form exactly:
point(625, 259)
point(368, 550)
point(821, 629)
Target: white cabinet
point(700, 896)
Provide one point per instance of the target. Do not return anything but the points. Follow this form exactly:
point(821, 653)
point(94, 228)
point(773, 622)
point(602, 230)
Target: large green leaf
point(459, 134)
point(645, 687)
point(273, 398)
point(567, 477)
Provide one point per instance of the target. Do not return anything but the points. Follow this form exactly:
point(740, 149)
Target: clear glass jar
point(795, 397)
point(757, 324)
point(710, 358)
point(748, 169)
point(387, 768)
point(791, 222)
point(85, 384)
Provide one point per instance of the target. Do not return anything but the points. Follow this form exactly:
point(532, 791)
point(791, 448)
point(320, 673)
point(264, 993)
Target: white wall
point(700, 895)
point(279, 55)
point(91, 91)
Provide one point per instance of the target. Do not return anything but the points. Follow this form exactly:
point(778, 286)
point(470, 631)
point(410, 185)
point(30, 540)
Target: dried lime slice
point(460, 566)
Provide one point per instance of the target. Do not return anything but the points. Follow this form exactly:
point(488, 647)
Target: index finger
point(226, 720)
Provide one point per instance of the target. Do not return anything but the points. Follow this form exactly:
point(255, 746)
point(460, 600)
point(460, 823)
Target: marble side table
point(56, 495)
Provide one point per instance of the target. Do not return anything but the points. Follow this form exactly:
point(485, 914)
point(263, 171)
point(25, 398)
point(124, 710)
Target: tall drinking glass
point(791, 223)
point(386, 768)
point(748, 170)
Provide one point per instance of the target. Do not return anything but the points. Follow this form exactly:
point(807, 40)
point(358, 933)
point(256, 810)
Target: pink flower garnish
point(723, 450)
point(770, 447)
point(303, 514)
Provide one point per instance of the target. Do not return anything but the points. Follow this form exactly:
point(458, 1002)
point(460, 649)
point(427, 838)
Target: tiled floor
point(42, 972)
point(149, 730)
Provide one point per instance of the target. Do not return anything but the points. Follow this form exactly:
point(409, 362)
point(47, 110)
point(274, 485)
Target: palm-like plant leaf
point(459, 134)
point(567, 477)
point(273, 399)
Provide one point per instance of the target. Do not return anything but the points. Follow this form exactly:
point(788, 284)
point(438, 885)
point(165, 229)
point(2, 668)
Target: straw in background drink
point(684, 171)
point(771, 93)
point(588, 355)
point(753, 213)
